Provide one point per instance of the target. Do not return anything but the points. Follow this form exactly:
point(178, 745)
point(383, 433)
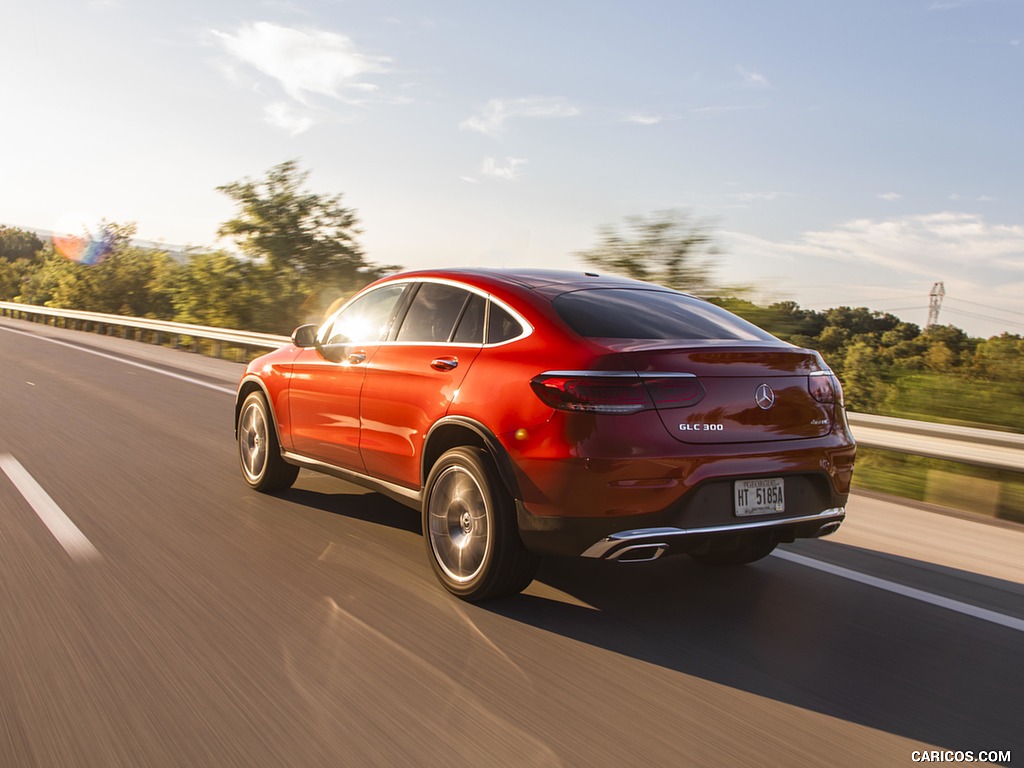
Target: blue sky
point(846, 153)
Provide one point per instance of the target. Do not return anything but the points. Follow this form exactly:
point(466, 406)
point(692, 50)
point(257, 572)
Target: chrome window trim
point(523, 323)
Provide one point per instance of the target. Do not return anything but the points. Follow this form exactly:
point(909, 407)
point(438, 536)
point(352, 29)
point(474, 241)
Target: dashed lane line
point(53, 517)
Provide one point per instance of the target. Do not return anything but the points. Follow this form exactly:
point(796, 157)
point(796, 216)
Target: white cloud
point(889, 196)
point(644, 119)
point(748, 197)
point(978, 199)
point(918, 245)
point(491, 119)
point(303, 62)
point(281, 115)
point(511, 171)
point(470, 179)
point(752, 78)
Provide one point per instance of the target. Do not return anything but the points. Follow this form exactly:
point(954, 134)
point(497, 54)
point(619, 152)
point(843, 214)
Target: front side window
point(367, 319)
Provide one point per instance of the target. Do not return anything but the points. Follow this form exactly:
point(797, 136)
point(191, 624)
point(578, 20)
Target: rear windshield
point(632, 313)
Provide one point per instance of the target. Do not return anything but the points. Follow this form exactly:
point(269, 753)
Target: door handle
point(355, 358)
point(444, 363)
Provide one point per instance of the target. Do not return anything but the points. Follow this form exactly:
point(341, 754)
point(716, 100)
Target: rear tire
point(470, 531)
point(259, 453)
point(727, 554)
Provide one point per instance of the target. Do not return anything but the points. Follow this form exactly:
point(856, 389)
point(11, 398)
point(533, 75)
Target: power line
point(986, 306)
point(984, 317)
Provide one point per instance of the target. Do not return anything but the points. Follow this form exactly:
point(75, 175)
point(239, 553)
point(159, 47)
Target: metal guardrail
point(980, 447)
point(967, 445)
point(104, 323)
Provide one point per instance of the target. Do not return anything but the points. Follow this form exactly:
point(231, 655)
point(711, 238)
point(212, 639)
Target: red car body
point(598, 445)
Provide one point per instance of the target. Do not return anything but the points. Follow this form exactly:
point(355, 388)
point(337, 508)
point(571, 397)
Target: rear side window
point(433, 312)
point(471, 327)
point(630, 313)
point(501, 326)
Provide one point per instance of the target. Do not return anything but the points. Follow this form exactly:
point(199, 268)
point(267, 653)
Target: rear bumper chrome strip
point(610, 546)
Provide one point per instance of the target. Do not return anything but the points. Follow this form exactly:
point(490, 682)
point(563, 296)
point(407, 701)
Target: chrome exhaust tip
point(826, 529)
point(639, 553)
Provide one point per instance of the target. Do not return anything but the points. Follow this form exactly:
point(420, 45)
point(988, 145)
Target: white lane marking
point(145, 367)
point(72, 539)
point(915, 594)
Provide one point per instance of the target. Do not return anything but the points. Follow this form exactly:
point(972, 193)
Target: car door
point(326, 381)
point(411, 381)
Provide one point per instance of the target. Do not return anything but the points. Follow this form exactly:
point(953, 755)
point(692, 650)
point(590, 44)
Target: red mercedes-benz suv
point(531, 412)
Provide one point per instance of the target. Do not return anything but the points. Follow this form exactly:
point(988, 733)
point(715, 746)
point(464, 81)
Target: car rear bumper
point(703, 513)
point(644, 544)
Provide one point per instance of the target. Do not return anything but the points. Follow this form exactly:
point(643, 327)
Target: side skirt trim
point(399, 493)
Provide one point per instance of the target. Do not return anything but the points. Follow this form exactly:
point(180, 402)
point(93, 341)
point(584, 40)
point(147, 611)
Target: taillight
point(825, 387)
point(615, 392)
point(674, 391)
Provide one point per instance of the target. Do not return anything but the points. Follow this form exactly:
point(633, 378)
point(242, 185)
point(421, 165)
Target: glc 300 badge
point(764, 397)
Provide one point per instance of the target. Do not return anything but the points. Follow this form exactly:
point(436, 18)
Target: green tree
point(668, 247)
point(18, 244)
point(128, 281)
point(864, 377)
point(302, 244)
point(1001, 358)
point(222, 290)
point(12, 275)
point(785, 319)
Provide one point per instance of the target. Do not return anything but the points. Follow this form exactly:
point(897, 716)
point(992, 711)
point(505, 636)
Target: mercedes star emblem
point(764, 397)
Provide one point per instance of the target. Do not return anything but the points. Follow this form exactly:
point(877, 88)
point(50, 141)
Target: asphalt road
point(203, 624)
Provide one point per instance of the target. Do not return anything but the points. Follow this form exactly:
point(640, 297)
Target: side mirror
point(304, 336)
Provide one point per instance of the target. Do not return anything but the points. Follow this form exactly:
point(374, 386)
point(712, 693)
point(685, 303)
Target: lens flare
point(83, 238)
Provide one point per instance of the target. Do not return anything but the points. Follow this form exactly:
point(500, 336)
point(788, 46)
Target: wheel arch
point(453, 431)
point(246, 387)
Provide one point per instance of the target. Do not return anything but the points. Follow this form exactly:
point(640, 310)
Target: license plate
point(759, 497)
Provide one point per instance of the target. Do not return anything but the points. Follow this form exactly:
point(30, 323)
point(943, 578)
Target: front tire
point(470, 530)
point(259, 453)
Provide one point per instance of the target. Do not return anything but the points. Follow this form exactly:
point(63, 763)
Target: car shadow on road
point(795, 635)
point(779, 630)
point(368, 507)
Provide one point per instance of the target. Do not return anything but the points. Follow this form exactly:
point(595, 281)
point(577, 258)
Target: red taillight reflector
point(825, 387)
point(616, 392)
point(596, 394)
